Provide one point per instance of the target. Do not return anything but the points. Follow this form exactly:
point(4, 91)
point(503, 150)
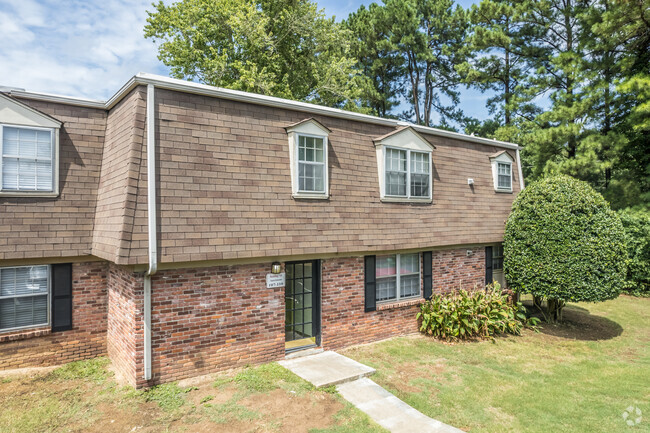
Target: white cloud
point(76, 48)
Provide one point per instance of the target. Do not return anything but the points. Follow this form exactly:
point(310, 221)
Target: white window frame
point(408, 195)
point(53, 159)
point(509, 165)
point(298, 162)
point(398, 297)
point(48, 302)
point(307, 128)
point(501, 158)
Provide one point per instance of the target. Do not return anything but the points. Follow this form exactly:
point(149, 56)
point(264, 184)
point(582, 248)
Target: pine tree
point(501, 48)
point(376, 57)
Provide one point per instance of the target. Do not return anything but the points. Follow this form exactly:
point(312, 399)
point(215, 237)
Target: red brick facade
point(344, 321)
point(87, 339)
point(124, 328)
point(214, 318)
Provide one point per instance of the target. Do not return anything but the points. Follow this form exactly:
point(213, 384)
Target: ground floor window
point(497, 257)
point(24, 296)
point(397, 277)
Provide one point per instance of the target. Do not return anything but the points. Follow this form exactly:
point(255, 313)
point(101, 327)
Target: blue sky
point(90, 48)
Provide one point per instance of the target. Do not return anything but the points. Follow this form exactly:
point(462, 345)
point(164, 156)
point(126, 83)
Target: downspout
point(152, 229)
point(520, 171)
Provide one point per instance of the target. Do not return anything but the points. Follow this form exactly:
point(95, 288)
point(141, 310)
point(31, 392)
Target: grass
point(83, 396)
point(579, 376)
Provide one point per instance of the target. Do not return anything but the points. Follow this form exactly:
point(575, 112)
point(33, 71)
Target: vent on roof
point(10, 88)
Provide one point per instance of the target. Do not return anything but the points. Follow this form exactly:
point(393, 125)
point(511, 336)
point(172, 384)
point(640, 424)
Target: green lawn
point(579, 376)
point(83, 397)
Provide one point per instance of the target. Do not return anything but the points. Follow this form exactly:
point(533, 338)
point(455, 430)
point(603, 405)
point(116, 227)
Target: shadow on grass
point(579, 324)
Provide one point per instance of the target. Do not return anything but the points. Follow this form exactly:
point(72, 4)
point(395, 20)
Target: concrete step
point(302, 353)
point(327, 368)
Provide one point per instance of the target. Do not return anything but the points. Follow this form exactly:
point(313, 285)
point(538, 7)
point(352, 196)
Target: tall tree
point(273, 47)
point(501, 48)
point(430, 35)
point(376, 57)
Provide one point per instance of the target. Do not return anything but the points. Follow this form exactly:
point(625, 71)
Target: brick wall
point(87, 339)
point(124, 327)
point(344, 321)
point(454, 269)
point(203, 320)
point(214, 318)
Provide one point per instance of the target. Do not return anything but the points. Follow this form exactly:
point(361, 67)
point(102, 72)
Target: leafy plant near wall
point(479, 314)
point(636, 224)
point(563, 243)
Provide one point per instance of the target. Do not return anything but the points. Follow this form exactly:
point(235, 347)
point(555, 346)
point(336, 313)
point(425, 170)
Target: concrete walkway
point(330, 368)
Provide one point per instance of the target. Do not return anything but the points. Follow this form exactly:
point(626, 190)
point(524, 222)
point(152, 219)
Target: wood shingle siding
point(224, 188)
point(36, 227)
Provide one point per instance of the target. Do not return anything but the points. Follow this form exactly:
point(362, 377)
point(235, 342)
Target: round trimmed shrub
point(563, 243)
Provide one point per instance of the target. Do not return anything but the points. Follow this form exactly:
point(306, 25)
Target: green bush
point(563, 243)
point(464, 315)
point(636, 224)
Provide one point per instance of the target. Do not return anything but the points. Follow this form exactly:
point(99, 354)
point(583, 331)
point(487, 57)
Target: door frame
point(316, 302)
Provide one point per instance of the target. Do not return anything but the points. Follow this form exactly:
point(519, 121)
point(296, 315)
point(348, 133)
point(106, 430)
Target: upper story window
point(502, 171)
point(24, 293)
point(308, 159)
point(404, 163)
point(27, 159)
point(397, 277)
point(311, 164)
point(28, 150)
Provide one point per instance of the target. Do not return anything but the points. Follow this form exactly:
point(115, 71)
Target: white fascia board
point(144, 78)
point(50, 97)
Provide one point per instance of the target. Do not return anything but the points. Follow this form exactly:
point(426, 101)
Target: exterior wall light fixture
point(276, 268)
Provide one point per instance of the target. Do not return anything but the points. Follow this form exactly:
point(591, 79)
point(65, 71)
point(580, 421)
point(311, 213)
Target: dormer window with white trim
point(404, 166)
point(308, 159)
point(502, 171)
point(28, 151)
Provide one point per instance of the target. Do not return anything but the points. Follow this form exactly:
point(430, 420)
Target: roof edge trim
point(143, 78)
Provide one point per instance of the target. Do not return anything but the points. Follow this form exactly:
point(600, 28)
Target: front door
point(302, 304)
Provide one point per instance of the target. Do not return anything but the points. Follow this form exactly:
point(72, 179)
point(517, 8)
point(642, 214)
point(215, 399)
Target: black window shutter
point(427, 274)
point(61, 297)
point(369, 282)
point(488, 265)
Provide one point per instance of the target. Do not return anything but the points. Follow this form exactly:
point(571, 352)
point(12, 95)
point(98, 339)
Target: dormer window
point(311, 164)
point(308, 159)
point(502, 171)
point(404, 163)
point(28, 150)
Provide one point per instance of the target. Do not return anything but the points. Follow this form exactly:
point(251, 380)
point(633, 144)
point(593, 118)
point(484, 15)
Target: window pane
point(319, 179)
point(409, 263)
point(386, 288)
point(504, 181)
point(10, 173)
point(419, 162)
point(7, 314)
point(23, 310)
point(386, 265)
point(27, 159)
point(395, 183)
point(409, 285)
point(43, 175)
point(395, 160)
point(420, 185)
point(310, 149)
point(26, 174)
